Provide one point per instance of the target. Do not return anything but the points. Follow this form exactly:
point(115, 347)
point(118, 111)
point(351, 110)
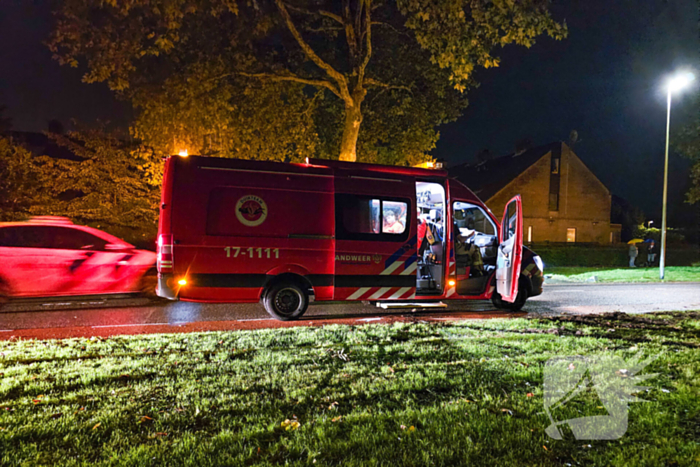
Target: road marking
point(130, 325)
point(370, 319)
point(6, 330)
point(250, 319)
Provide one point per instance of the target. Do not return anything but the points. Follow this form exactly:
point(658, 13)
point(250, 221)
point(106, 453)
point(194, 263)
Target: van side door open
point(510, 250)
point(375, 238)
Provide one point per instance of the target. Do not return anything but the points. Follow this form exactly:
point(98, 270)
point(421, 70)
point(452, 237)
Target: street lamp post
point(675, 84)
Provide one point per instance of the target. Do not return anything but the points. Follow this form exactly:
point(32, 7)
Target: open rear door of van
point(510, 250)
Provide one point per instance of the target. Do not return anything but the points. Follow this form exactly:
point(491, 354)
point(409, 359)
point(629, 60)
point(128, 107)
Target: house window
point(570, 235)
point(529, 234)
point(554, 201)
point(554, 179)
point(555, 165)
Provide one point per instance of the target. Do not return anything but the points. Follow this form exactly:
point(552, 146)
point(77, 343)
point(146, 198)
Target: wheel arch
point(293, 277)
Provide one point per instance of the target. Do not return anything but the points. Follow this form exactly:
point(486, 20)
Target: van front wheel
point(517, 305)
point(286, 301)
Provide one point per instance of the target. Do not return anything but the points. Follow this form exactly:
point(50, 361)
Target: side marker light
point(182, 282)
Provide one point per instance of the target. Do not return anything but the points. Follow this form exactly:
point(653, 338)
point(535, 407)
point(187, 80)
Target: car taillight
point(164, 260)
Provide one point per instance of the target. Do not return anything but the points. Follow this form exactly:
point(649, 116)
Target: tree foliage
point(115, 185)
point(284, 79)
point(687, 142)
point(17, 180)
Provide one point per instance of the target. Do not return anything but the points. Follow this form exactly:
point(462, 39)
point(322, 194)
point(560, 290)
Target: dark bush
point(591, 255)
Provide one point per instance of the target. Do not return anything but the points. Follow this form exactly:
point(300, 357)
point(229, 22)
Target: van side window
point(394, 215)
point(368, 218)
point(23, 237)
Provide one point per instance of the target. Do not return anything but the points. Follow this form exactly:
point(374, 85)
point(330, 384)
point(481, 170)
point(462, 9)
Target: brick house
point(563, 201)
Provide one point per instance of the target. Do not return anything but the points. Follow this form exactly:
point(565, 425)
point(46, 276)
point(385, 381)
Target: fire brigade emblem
point(377, 258)
point(251, 210)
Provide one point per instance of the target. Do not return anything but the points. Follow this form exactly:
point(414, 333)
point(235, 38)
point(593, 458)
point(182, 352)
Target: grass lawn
point(394, 395)
point(584, 274)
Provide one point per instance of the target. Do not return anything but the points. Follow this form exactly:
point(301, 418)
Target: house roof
point(487, 178)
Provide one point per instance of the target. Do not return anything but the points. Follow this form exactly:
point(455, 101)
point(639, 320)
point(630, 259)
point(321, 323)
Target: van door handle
point(406, 247)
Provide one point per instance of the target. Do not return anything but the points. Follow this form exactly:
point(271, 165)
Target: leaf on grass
point(545, 447)
point(290, 425)
point(145, 419)
point(96, 426)
point(508, 411)
point(529, 394)
point(336, 419)
point(57, 415)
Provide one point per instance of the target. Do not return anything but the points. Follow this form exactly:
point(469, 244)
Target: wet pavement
point(128, 315)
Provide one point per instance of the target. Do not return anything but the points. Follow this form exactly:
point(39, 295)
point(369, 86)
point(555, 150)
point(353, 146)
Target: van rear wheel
point(286, 301)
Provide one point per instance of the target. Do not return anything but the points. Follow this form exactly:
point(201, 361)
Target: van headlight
point(538, 262)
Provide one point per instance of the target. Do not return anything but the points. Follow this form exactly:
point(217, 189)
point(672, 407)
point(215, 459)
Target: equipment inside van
point(284, 234)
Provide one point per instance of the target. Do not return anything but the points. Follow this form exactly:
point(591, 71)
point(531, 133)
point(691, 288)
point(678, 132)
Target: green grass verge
point(584, 274)
point(472, 391)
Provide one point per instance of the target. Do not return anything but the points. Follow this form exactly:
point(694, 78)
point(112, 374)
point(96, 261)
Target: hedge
point(613, 255)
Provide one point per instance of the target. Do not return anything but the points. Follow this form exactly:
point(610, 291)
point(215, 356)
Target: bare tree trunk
point(351, 130)
point(351, 127)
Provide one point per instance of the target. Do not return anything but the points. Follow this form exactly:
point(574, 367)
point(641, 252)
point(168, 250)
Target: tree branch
point(379, 84)
point(368, 39)
point(332, 16)
point(325, 29)
point(338, 77)
point(319, 83)
point(350, 36)
point(390, 26)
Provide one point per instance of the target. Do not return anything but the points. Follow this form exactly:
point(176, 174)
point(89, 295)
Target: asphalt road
point(140, 315)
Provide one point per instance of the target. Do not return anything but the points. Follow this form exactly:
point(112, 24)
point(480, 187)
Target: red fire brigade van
point(248, 231)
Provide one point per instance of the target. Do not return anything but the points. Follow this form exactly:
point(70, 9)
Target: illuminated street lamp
point(676, 83)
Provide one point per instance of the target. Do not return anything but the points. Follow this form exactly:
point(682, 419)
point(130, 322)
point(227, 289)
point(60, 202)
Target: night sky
point(604, 81)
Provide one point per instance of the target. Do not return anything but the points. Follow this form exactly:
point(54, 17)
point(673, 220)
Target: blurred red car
point(50, 256)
